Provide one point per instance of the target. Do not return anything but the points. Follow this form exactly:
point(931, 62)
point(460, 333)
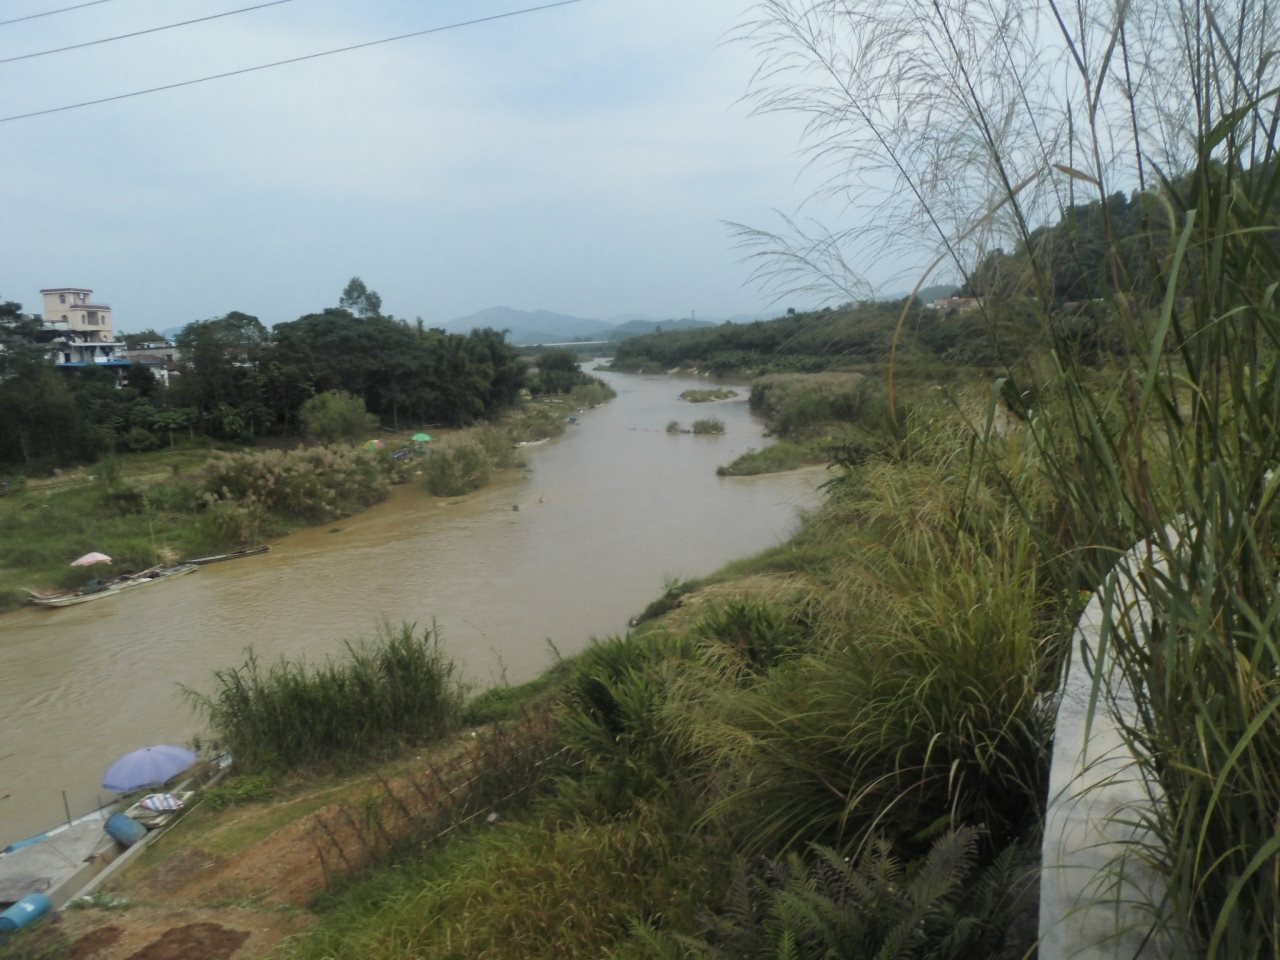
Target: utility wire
point(281, 63)
point(49, 13)
point(139, 33)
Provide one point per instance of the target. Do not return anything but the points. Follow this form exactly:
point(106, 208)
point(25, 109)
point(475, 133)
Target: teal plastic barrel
point(26, 911)
point(124, 830)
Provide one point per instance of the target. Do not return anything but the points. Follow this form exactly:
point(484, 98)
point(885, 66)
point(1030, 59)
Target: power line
point(281, 63)
point(139, 33)
point(49, 13)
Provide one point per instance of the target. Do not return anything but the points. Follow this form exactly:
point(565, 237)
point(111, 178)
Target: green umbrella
point(421, 438)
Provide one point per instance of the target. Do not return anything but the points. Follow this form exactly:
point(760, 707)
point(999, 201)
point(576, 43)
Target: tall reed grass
point(1158, 421)
point(315, 485)
point(917, 702)
point(398, 688)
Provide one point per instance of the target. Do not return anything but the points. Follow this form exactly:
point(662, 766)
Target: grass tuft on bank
point(395, 690)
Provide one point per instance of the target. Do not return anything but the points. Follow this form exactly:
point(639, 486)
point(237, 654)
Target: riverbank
point(162, 507)
point(607, 514)
point(680, 755)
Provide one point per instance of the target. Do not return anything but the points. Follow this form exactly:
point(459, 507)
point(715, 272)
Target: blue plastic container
point(124, 830)
point(26, 911)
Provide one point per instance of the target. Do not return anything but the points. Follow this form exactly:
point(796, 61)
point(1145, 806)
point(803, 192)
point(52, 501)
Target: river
point(608, 513)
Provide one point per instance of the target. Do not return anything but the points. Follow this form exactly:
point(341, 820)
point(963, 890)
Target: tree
point(336, 415)
point(19, 335)
point(360, 300)
point(170, 420)
point(219, 364)
point(149, 335)
point(41, 422)
point(142, 379)
point(557, 371)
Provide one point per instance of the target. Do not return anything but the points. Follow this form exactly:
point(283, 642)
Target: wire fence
point(499, 770)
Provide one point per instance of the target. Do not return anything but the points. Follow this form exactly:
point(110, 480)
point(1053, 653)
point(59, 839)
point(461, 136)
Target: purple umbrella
point(148, 767)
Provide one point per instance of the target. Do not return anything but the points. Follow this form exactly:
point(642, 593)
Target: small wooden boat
point(57, 860)
point(110, 588)
point(233, 555)
point(72, 858)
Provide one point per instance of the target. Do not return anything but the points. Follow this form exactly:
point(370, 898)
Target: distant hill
point(532, 326)
point(638, 328)
point(528, 327)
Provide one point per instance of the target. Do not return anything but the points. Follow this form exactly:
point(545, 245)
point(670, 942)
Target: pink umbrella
point(89, 559)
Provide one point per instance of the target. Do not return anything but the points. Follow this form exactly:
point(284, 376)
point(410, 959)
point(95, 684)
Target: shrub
point(774, 458)
point(796, 404)
point(591, 394)
point(610, 716)
point(315, 485)
point(707, 396)
point(497, 444)
point(399, 688)
point(945, 906)
point(139, 439)
point(750, 635)
point(336, 415)
point(457, 466)
point(708, 426)
point(251, 789)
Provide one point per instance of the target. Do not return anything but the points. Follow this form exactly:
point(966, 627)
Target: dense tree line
point(1069, 268)
point(556, 371)
point(850, 335)
point(237, 380)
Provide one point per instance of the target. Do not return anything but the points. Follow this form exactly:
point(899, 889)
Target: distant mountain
point(529, 327)
point(533, 326)
point(638, 328)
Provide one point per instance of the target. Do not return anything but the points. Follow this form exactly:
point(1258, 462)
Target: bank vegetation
point(848, 756)
point(160, 507)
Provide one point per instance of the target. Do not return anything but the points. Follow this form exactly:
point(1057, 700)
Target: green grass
point(43, 529)
point(529, 889)
point(708, 396)
point(775, 458)
point(505, 703)
point(708, 426)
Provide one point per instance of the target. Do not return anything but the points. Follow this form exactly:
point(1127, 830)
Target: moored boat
point(70, 859)
point(58, 861)
point(233, 555)
point(110, 588)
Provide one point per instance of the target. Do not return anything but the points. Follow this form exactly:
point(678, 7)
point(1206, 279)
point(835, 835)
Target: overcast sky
point(580, 159)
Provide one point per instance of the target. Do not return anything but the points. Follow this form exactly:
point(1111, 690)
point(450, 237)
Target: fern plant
point(945, 905)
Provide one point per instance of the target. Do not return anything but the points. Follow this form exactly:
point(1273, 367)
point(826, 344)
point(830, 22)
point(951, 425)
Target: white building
point(85, 335)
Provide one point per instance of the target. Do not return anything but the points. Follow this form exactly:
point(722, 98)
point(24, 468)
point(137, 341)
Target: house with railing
point(80, 333)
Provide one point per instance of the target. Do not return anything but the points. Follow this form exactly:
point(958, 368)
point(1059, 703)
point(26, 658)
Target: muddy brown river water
point(607, 514)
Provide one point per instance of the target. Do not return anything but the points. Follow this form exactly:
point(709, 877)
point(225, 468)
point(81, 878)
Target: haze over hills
point(544, 326)
point(530, 327)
